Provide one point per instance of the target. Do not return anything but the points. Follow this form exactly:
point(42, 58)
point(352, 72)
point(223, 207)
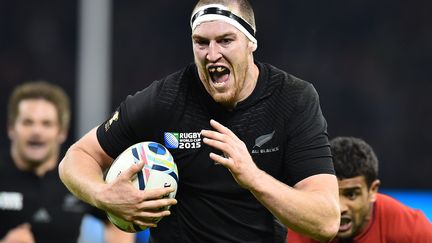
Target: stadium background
point(369, 61)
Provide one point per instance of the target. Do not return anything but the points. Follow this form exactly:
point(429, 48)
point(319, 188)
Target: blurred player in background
point(34, 205)
point(366, 215)
point(249, 140)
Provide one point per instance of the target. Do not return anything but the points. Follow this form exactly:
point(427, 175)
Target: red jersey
point(391, 222)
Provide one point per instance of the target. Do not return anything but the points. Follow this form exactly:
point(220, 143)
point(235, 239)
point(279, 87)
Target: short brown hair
point(40, 90)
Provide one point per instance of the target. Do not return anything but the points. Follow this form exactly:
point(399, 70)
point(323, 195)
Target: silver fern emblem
point(263, 139)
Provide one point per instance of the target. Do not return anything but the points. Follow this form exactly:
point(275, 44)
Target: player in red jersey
point(366, 215)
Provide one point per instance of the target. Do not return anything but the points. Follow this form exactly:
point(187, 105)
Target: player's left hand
point(235, 155)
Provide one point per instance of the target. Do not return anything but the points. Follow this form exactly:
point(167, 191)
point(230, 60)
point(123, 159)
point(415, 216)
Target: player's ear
point(373, 190)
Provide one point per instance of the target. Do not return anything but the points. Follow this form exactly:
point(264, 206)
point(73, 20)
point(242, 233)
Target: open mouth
point(35, 144)
point(345, 224)
point(219, 74)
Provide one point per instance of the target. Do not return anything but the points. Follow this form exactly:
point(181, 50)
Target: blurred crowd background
point(369, 61)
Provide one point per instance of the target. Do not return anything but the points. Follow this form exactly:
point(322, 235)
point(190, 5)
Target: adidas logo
point(41, 216)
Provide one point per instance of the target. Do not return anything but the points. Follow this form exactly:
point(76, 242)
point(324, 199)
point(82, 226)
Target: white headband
point(213, 12)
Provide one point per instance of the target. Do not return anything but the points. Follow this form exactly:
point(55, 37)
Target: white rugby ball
point(159, 171)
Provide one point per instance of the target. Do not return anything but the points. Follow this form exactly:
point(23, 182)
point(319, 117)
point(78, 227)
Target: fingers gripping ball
point(159, 171)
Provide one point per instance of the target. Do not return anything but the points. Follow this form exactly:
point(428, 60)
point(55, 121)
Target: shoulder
point(401, 220)
point(141, 115)
point(294, 90)
point(393, 207)
point(277, 76)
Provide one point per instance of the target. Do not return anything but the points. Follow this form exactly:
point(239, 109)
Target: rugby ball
point(159, 171)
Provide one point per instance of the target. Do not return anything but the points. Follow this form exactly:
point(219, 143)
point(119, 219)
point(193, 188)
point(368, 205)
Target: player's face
point(225, 63)
point(36, 135)
point(356, 203)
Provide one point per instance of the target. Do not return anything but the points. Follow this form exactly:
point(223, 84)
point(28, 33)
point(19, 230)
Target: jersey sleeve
point(308, 148)
point(132, 122)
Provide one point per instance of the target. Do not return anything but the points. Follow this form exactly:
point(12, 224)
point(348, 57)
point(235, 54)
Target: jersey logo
point(114, 118)
point(41, 216)
point(260, 141)
point(11, 201)
point(182, 140)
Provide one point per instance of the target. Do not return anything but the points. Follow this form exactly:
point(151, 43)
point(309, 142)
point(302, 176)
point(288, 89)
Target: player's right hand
point(123, 199)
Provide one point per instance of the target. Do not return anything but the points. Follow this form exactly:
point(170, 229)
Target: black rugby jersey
point(281, 124)
point(54, 214)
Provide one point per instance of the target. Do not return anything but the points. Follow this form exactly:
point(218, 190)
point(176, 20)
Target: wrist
point(97, 197)
point(256, 180)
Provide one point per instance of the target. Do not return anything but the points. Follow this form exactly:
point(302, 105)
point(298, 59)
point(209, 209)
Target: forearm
point(81, 174)
point(311, 207)
point(115, 235)
point(311, 212)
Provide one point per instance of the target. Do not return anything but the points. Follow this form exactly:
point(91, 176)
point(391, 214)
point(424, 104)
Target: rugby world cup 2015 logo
point(171, 139)
point(182, 140)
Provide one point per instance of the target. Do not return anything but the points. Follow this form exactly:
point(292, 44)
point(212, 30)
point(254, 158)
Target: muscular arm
point(310, 207)
point(81, 170)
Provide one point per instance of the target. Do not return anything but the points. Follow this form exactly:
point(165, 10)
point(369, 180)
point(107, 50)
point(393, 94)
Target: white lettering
point(189, 135)
point(265, 151)
point(11, 201)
